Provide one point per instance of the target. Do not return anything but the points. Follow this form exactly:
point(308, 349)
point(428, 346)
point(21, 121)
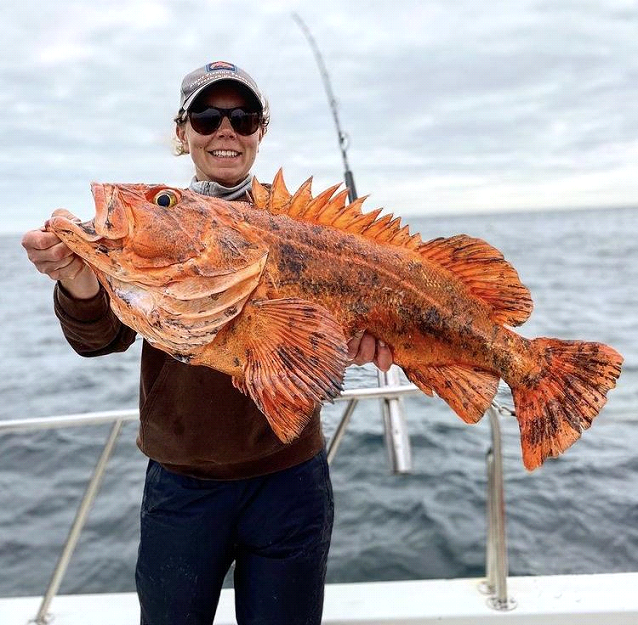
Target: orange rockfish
point(268, 292)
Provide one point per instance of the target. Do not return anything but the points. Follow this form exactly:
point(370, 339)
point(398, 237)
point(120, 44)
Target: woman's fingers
point(51, 256)
point(364, 348)
point(383, 356)
point(65, 269)
point(367, 349)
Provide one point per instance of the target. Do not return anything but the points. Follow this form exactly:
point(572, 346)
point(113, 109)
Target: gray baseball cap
point(203, 77)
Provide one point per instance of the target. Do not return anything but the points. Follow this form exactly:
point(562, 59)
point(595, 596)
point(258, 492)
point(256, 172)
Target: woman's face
point(225, 156)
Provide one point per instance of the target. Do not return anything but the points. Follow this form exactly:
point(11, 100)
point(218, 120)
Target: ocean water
point(576, 514)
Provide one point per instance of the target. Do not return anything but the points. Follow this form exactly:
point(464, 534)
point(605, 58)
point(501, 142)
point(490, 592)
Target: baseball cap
point(203, 77)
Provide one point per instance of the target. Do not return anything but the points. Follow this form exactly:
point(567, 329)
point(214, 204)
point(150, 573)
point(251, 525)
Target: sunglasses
point(207, 121)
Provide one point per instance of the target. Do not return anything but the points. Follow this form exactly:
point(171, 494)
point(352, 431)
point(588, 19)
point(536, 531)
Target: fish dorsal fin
point(485, 272)
point(477, 264)
point(328, 209)
point(300, 199)
point(260, 194)
point(279, 196)
point(275, 199)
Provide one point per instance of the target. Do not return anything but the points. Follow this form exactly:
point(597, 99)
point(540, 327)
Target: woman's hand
point(53, 258)
point(363, 348)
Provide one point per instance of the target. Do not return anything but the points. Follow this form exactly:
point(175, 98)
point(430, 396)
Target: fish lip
point(62, 221)
point(106, 198)
point(97, 189)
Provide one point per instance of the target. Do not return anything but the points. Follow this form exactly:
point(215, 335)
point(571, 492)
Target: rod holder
point(397, 439)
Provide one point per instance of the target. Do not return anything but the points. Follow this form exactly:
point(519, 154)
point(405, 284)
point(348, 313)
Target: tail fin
point(563, 399)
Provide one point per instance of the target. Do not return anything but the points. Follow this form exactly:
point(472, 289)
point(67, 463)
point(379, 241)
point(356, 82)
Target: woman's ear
point(180, 131)
point(262, 132)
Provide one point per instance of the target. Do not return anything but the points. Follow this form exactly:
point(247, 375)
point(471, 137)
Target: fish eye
point(166, 198)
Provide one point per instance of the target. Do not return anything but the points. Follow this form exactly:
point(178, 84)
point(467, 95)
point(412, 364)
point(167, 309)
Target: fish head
point(152, 233)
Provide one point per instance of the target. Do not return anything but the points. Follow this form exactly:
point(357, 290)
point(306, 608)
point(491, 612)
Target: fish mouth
point(108, 224)
point(111, 217)
point(62, 222)
point(83, 239)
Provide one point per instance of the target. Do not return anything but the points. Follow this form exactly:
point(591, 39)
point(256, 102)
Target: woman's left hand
point(364, 347)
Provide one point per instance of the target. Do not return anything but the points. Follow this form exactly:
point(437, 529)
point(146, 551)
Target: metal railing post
point(496, 552)
point(397, 439)
point(78, 523)
point(335, 441)
point(488, 587)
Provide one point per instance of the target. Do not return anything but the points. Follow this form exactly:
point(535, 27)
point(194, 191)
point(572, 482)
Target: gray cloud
point(449, 106)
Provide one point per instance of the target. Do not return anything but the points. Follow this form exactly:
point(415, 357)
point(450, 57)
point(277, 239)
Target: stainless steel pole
point(78, 523)
point(488, 586)
point(500, 600)
point(396, 432)
point(335, 441)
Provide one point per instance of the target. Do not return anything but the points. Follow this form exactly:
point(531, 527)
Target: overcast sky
point(449, 105)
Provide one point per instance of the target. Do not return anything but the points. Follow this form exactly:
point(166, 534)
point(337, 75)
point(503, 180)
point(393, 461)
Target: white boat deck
point(606, 599)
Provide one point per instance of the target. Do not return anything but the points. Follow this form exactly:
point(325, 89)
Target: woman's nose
point(225, 127)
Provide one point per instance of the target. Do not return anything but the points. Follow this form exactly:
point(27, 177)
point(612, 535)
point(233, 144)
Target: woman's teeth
point(225, 153)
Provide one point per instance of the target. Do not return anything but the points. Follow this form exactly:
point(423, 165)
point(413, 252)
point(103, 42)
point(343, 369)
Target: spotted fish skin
point(269, 291)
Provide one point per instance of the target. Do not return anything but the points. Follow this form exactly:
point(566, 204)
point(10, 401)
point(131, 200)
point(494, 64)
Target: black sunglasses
point(206, 121)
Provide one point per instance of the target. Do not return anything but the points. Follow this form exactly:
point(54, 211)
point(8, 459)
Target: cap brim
point(229, 77)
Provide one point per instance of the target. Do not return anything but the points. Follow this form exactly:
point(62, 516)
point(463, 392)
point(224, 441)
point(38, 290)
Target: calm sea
point(577, 514)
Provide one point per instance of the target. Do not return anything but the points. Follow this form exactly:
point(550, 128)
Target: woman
point(220, 487)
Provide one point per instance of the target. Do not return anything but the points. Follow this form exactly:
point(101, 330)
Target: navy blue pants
point(276, 528)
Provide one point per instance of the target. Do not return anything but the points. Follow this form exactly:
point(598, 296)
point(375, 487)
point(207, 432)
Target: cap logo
point(223, 65)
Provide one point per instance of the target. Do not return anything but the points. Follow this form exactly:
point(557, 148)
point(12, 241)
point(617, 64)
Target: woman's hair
point(180, 118)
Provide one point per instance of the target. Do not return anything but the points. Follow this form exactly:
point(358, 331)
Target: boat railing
point(390, 392)
point(496, 565)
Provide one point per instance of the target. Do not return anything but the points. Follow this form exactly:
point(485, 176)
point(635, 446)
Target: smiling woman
point(221, 126)
point(224, 154)
point(220, 485)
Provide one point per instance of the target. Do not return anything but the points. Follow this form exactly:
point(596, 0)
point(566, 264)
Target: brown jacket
point(192, 419)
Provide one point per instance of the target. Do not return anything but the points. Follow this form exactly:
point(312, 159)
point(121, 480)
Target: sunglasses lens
point(244, 123)
point(205, 122)
point(208, 120)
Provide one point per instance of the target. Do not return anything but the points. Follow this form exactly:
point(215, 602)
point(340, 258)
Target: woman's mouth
point(224, 153)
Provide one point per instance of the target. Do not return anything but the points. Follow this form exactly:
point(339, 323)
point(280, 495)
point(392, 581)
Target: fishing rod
point(394, 424)
point(342, 136)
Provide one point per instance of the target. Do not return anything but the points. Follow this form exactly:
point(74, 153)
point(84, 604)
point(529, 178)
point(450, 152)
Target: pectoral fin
point(295, 359)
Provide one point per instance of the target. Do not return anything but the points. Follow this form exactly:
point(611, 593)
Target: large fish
point(268, 292)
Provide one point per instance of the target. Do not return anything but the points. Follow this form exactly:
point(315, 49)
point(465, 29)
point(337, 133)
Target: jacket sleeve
point(90, 326)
